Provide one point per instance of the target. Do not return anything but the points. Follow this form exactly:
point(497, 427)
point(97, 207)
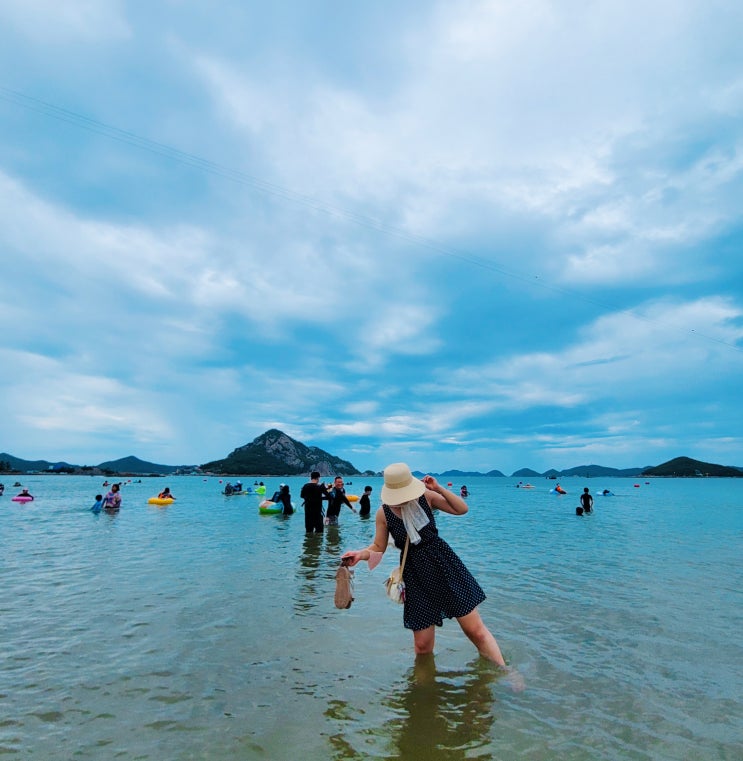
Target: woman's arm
point(381, 537)
point(443, 499)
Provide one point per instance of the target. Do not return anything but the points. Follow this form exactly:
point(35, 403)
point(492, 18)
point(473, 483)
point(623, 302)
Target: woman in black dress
point(437, 583)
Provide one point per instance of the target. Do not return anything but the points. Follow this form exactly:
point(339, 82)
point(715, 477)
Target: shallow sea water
point(206, 631)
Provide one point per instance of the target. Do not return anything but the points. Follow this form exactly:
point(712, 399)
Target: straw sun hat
point(399, 485)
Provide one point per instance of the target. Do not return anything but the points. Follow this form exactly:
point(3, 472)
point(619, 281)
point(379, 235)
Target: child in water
point(365, 503)
point(98, 506)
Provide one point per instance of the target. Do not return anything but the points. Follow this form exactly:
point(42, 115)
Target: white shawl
point(414, 517)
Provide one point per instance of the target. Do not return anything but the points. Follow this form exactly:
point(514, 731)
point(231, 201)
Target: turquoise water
point(205, 631)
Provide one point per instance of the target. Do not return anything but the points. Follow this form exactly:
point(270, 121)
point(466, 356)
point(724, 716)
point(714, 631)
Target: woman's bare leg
point(480, 636)
point(424, 640)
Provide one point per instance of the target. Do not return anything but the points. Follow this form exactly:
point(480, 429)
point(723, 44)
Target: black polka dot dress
point(437, 583)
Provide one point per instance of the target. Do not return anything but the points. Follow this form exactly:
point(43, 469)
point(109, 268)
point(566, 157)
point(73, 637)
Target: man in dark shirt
point(313, 493)
point(338, 498)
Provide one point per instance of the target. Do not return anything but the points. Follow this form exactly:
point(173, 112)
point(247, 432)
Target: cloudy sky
point(467, 235)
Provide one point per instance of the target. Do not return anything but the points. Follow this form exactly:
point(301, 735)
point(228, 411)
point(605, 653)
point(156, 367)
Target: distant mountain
point(595, 471)
point(586, 471)
point(131, 465)
point(16, 463)
point(273, 453)
point(526, 473)
point(135, 466)
point(685, 467)
point(461, 474)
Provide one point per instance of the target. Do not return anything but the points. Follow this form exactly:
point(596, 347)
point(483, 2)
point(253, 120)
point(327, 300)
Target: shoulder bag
point(394, 585)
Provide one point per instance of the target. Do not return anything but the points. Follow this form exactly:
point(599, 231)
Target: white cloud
point(363, 409)
point(628, 355)
point(401, 328)
point(49, 21)
point(47, 399)
point(655, 223)
point(505, 115)
point(184, 274)
point(595, 149)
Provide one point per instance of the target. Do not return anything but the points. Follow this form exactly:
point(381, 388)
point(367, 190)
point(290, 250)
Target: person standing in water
point(437, 583)
point(112, 500)
point(365, 503)
point(284, 499)
point(338, 498)
point(586, 501)
point(313, 493)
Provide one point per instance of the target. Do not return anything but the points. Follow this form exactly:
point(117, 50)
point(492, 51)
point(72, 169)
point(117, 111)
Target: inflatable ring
point(269, 508)
point(21, 499)
point(160, 501)
point(352, 497)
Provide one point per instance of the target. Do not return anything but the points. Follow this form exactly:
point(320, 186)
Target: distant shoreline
point(227, 476)
point(329, 465)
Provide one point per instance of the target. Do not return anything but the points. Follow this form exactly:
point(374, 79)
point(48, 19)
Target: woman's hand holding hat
point(430, 483)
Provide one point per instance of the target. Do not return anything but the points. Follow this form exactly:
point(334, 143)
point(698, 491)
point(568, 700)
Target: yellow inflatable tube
point(160, 501)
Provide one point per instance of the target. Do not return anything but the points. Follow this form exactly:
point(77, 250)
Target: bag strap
point(404, 555)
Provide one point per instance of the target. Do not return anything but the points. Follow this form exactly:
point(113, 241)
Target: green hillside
point(685, 467)
point(598, 471)
point(525, 473)
point(136, 466)
point(9, 462)
point(273, 453)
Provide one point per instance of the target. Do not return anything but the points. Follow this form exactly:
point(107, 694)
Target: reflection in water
point(444, 714)
point(309, 561)
point(333, 544)
point(433, 716)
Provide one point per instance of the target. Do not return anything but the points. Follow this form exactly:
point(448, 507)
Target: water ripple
point(207, 631)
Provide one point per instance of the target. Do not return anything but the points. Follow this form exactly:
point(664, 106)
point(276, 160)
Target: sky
point(463, 235)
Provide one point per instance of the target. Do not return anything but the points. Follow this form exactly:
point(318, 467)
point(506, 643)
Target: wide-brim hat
point(400, 485)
